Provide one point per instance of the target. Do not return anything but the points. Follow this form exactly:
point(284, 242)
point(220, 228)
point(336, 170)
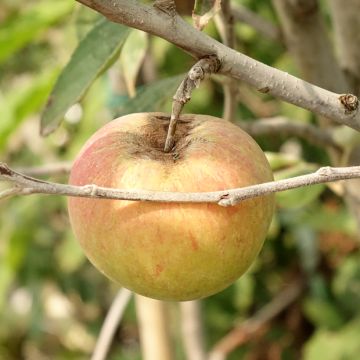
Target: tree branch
point(60, 168)
point(263, 26)
point(192, 330)
point(225, 23)
point(28, 185)
point(111, 323)
point(234, 64)
point(281, 125)
point(347, 35)
point(252, 326)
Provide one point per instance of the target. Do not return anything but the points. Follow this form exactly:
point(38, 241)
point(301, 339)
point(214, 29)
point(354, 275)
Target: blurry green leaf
point(90, 58)
point(280, 160)
point(346, 284)
point(151, 96)
point(340, 345)
point(131, 58)
point(20, 102)
point(244, 292)
point(346, 137)
point(20, 30)
point(85, 20)
point(16, 224)
point(306, 241)
point(301, 196)
point(322, 313)
point(204, 11)
point(324, 219)
point(69, 254)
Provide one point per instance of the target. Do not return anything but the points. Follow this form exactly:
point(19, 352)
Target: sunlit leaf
point(132, 57)
point(20, 30)
point(20, 102)
point(342, 344)
point(301, 196)
point(151, 96)
point(90, 58)
point(346, 284)
point(322, 313)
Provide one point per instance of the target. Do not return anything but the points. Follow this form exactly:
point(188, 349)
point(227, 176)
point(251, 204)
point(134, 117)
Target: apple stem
point(205, 66)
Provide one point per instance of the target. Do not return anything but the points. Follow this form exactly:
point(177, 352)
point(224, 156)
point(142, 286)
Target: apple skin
point(171, 251)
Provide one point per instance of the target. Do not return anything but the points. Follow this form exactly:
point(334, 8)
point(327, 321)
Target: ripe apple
point(171, 251)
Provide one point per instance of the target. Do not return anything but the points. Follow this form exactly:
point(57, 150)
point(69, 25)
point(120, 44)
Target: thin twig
point(229, 197)
point(343, 108)
point(225, 24)
point(197, 73)
point(263, 26)
point(60, 168)
point(252, 326)
point(281, 125)
point(111, 323)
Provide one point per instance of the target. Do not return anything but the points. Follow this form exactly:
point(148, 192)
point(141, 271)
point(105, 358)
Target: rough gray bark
point(342, 109)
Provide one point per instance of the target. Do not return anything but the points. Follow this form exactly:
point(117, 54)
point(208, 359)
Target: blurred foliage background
point(52, 301)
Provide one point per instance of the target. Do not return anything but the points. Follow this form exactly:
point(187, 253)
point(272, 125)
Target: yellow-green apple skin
point(171, 251)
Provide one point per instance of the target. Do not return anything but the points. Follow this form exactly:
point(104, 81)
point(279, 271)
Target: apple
point(171, 251)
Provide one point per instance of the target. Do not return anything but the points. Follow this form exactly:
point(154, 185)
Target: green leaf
point(302, 196)
point(151, 96)
point(322, 313)
point(279, 161)
point(343, 344)
point(20, 102)
point(91, 57)
point(346, 284)
point(20, 30)
point(131, 58)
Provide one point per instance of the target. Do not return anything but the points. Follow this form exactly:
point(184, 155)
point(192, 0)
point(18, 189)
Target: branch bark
point(265, 78)
point(111, 323)
point(153, 325)
point(255, 324)
point(264, 27)
point(280, 125)
point(347, 35)
point(25, 185)
point(307, 40)
point(306, 36)
point(192, 330)
point(225, 24)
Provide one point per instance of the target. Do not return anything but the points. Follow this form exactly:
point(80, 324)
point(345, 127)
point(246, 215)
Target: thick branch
point(234, 64)
point(28, 185)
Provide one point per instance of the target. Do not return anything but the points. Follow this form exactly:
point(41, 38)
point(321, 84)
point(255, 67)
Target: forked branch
point(343, 109)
